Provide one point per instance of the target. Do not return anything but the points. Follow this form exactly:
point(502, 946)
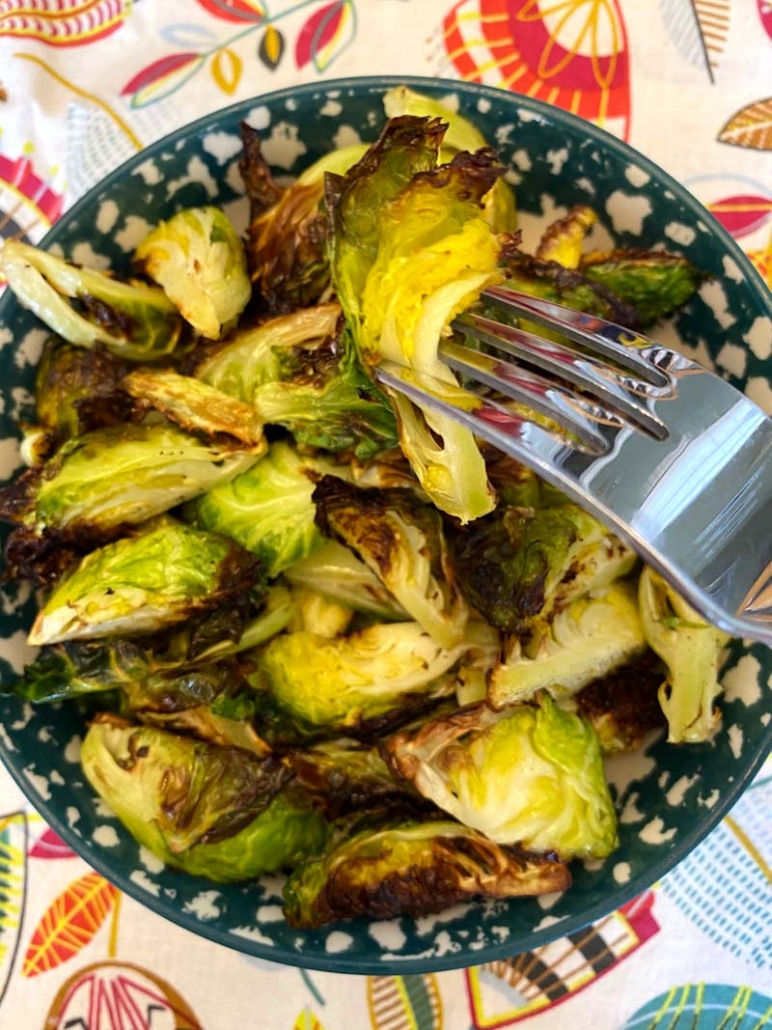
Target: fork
point(666, 453)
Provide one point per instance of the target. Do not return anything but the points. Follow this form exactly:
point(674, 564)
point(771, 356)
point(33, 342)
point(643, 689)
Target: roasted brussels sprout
point(347, 776)
point(531, 775)
point(64, 671)
point(520, 566)
point(120, 475)
point(341, 682)
point(402, 541)
point(409, 250)
point(691, 650)
point(168, 680)
point(198, 259)
point(623, 707)
point(654, 283)
point(325, 400)
point(86, 307)
point(333, 570)
point(144, 583)
point(287, 236)
point(213, 811)
point(593, 635)
point(194, 405)
point(412, 867)
point(298, 372)
point(251, 357)
point(77, 390)
point(269, 509)
point(499, 202)
point(569, 286)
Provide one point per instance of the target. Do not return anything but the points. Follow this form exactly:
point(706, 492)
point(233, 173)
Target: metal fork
point(670, 456)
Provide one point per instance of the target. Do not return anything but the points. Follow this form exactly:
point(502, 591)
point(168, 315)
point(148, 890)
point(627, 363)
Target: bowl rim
point(670, 857)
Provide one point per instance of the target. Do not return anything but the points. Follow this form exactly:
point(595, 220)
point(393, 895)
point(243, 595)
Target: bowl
point(669, 797)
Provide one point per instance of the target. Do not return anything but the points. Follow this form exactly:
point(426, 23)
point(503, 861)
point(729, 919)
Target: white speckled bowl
point(670, 798)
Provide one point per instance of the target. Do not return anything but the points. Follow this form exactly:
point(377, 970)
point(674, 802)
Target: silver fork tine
point(568, 365)
point(577, 415)
point(613, 341)
point(489, 419)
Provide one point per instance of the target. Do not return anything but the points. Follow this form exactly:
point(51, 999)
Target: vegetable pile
point(313, 627)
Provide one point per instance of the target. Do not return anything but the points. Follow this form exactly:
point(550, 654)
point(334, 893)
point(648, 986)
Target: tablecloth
point(86, 83)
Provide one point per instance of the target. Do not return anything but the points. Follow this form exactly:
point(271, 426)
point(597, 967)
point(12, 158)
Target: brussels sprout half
point(218, 812)
point(402, 541)
point(409, 250)
point(85, 307)
point(145, 583)
point(413, 868)
point(691, 650)
point(198, 259)
point(531, 775)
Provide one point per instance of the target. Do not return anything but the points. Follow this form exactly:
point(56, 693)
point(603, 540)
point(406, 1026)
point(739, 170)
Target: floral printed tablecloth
point(86, 83)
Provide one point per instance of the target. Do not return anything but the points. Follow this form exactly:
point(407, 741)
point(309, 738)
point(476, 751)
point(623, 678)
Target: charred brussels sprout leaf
point(592, 636)
point(531, 775)
point(251, 357)
point(286, 240)
point(347, 776)
point(562, 242)
point(86, 307)
point(518, 567)
point(413, 868)
point(570, 286)
point(209, 698)
point(144, 583)
point(261, 188)
point(194, 405)
point(269, 509)
point(328, 402)
point(274, 617)
point(198, 259)
point(121, 475)
point(65, 671)
point(287, 250)
point(499, 202)
point(211, 811)
point(336, 572)
point(297, 372)
point(654, 283)
point(402, 541)
point(341, 682)
point(78, 390)
point(623, 707)
point(410, 250)
point(691, 650)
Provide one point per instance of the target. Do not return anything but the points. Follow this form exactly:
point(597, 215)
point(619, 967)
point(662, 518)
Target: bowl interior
point(669, 798)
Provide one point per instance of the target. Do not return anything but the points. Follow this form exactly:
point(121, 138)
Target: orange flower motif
point(571, 53)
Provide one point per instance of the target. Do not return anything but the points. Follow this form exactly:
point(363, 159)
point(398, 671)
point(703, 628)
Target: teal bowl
point(670, 798)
